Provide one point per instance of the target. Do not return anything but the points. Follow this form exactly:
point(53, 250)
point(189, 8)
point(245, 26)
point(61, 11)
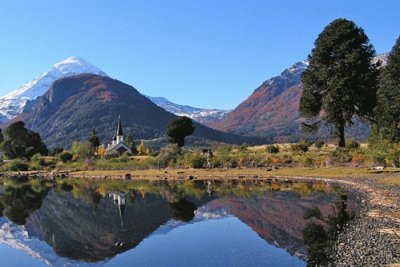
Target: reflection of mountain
point(61, 229)
point(277, 217)
point(78, 230)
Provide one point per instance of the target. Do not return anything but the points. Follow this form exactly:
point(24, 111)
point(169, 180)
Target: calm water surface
point(139, 223)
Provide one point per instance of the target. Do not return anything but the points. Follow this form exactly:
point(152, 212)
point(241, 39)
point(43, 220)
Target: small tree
point(101, 151)
point(178, 128)
point(1, 136)
point(142, 149)
point(388, 109)
point(340, 79)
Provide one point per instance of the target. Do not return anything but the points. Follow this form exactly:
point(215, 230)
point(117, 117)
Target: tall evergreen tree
point(93, 139)
point(131, 144)
point(178, 128)
point(388, 109)
point(341, 81)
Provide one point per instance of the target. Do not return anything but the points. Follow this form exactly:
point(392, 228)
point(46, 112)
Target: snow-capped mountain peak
point(13, 103)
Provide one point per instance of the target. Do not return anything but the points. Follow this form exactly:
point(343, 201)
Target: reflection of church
point(117, 144)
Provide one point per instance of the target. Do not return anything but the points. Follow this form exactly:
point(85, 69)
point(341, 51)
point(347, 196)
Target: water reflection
point(84, 221)
point(320, 233)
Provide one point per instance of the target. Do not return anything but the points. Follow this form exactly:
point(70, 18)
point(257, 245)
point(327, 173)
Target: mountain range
point(270, 112)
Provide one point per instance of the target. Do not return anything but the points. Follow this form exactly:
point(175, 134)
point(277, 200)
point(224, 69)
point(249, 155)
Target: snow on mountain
point(19, 238)
point(13, 103)
point(198, 114)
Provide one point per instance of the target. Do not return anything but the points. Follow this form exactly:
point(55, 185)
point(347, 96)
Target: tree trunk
point(342, 142)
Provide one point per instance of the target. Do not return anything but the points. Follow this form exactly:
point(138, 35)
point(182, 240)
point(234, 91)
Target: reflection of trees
point(19, 202)
point(183, 210)
point(319, 233)
point(180, 208)
point(1, 209)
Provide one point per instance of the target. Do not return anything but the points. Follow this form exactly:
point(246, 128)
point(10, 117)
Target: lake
point(159, 223)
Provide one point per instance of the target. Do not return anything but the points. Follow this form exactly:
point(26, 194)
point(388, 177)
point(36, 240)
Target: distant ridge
point(201, 115)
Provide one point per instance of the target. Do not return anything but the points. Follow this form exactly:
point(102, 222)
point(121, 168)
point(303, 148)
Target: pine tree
point(388, 109)
point(341, 81)
point(94, 140)
point(131, 144)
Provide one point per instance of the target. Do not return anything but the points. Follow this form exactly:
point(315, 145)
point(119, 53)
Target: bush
point(16, 165)
point(301, 146)
point(352, 144)
point(192, 160)
point(341, 155)
point(357, 159)
point(272, 149)
point(168, 155)
point(319, 144)
point(308, 162)
point(111, 155)
point(276, 160)
point(394, 155)
point(65, 156)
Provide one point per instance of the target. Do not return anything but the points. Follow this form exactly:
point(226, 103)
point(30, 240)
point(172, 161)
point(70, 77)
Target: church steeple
point(120, 133)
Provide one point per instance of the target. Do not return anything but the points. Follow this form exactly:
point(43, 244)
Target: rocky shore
point(372, 238)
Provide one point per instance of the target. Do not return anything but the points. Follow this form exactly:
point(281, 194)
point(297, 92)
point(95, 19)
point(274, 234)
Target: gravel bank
point(372, 238)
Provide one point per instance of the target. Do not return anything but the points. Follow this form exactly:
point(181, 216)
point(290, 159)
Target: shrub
point(168, 155)
point(243, 147)
point(341, 155)
point(308, 162)
point(112, 155)
point(65, 156)
point(276, 160)
point(319, 144)
point(272, 149)
point(16, 165)
point(301, 146)
point(192, 160)
point(357, 159)
point(330, 160)
point(394, 155)
point(352, 144)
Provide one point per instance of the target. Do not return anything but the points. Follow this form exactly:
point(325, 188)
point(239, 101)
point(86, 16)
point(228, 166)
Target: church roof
point(115, 147)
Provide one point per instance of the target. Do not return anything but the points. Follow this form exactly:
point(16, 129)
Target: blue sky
point(205, 53)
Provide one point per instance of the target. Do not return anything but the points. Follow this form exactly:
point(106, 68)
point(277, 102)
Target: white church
point(117, 144)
